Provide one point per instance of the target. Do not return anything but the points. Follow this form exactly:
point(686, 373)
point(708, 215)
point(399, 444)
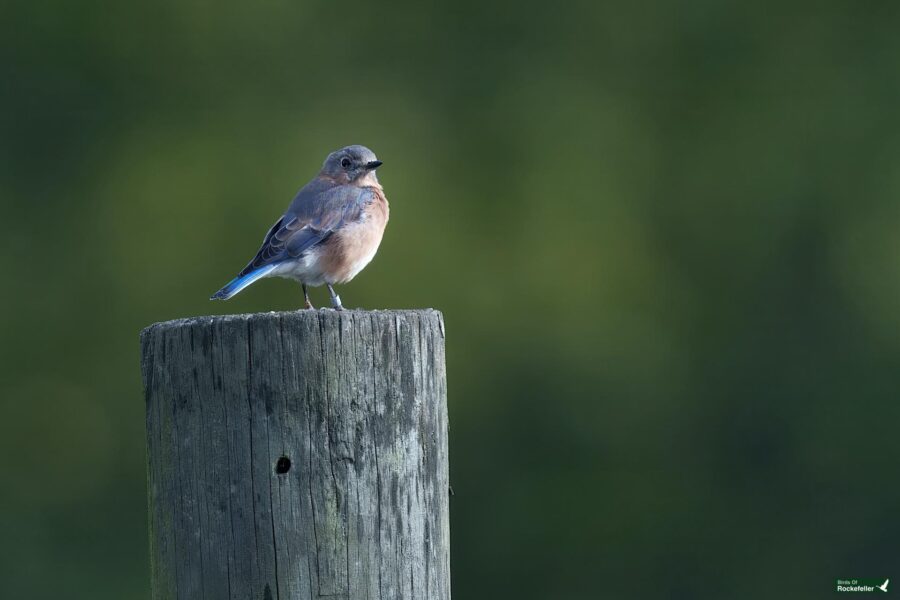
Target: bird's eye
point(345, 162)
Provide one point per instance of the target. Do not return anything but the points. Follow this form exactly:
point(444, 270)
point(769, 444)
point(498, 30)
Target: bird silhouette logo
point(883, 586)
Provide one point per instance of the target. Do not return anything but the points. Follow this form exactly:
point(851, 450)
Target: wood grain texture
point(354, 400)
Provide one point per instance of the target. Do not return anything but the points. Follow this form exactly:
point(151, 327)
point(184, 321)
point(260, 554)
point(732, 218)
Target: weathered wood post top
point(298, 455)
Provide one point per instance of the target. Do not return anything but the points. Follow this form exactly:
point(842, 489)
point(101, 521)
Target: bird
point(329, 232)
point(883, 586)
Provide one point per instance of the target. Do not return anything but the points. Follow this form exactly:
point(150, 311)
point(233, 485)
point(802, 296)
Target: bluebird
point(329, 233)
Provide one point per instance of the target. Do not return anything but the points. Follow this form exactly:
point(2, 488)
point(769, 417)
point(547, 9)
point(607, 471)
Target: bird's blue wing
point(319, 209)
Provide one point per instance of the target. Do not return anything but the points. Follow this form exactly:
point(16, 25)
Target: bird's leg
point(306, 297)
point(335, 299)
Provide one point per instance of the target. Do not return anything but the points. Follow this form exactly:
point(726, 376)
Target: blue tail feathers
point(239, 283)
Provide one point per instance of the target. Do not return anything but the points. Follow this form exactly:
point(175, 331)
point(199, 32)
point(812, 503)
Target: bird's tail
point(239, 283)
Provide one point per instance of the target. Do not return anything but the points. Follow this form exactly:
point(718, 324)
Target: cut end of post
point(323, 315)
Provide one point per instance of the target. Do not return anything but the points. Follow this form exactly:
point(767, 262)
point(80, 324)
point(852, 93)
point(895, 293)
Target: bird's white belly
point(319, 266)
point(307, 269)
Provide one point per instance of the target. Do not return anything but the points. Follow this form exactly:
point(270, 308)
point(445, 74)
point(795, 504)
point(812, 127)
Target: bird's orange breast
point(349, 249)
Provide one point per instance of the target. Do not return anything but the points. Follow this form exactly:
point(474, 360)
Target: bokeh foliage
point(665, 236)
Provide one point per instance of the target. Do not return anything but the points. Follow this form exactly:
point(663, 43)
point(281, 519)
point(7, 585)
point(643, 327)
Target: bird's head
point(353, 164)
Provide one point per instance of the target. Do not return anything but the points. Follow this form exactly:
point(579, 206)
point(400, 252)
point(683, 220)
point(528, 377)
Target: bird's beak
point(373, 164)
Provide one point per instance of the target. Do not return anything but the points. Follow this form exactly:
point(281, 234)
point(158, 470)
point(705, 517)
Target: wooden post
point(298, 455)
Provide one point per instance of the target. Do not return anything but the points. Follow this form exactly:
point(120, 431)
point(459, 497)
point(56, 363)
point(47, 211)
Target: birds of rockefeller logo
point(862, 585)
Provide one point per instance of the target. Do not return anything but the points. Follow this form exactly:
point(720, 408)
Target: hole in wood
point(283, 465)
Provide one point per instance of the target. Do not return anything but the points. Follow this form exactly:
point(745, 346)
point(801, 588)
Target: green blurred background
point(665, 237)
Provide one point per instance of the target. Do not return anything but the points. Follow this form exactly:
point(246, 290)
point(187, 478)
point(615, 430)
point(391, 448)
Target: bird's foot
point(335, 299)
point(308, 306)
